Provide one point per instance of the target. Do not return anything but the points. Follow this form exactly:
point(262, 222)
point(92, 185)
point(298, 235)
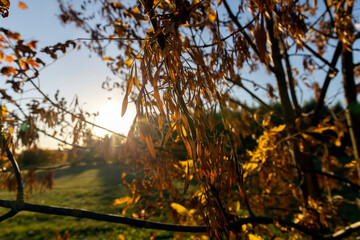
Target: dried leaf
point(150, 145)
point(124, 105)
point(136, 79)
point(23, 5)
point(260, 36)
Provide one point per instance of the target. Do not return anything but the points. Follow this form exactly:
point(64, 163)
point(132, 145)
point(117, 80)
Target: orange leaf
point(136, 79)
point(124, 105)
point(107, 59)
point(33, 63)
point(22, 5)
point(32, 44)
point(9, 59)
point(150, 145)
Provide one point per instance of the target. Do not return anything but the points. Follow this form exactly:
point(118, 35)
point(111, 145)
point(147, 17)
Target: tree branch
point(331, 66)
point(346, 231)
point(72, 114)
point(79, 213)
point(20, 188)
point(238, 83)
point(331, 175)
point(9, 214)
point(291, 79)
point(246, 36)
point(330, 75)
point(225, 38)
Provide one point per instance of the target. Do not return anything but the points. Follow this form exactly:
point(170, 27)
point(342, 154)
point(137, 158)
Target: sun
point(110, 118)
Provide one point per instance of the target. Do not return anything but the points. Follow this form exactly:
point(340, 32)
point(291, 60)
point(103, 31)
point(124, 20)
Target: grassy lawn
point(90, 188)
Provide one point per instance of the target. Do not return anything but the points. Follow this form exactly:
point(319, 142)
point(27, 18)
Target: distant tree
point(184, 62)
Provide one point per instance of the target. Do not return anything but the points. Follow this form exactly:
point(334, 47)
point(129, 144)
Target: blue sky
point(77, 73)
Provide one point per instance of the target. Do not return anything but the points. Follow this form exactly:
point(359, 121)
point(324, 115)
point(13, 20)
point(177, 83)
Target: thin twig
point(331, 175)
point(20, 188)
point(72, 114)
point(238, 83)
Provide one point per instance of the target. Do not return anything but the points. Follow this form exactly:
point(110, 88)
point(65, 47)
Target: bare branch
point(72, 114)
point(238, 83)
point(246, 36)
point(227, 37)
point(291, 79)
point(341, 179)
point(8, 215)
point(79, 213)
point(20, 188)
point(330, 75)
point(331, 66)
point(346, 231)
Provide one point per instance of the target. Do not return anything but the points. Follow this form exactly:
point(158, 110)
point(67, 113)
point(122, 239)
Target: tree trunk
point(352, 105)
point(309, 183)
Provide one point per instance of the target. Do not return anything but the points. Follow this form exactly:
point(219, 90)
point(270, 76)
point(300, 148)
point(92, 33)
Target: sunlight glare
point(110, 118)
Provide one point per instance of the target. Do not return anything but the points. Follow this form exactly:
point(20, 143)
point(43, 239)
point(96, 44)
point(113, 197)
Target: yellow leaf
point(121, 237)
point(212, 15)
point(338, 142)
point(3, 111)
point(122, 200)
point(278, 128)
point(254, 237)
point(108, 59)
point(22, 5)
point(266, 121)
point(183, 131)
point(351, 164)
point(180, 209)
point(320, 129)
point(128, 63)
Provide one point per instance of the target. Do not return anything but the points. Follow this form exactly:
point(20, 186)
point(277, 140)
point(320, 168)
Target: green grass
point(90, 188)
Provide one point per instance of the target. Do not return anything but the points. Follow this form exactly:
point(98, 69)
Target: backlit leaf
point(22, 5)
point(254, 237)
point(180, 209)
point(108, 59)
point(122, 200)
point(136, 79)
point(278, 128)
point(124, 105)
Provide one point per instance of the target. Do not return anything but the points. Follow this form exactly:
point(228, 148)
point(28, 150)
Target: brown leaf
point(150, 145)
point(124, 105)
point(260, 36)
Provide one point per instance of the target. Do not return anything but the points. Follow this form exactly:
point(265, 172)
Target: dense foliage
point(287, 169)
